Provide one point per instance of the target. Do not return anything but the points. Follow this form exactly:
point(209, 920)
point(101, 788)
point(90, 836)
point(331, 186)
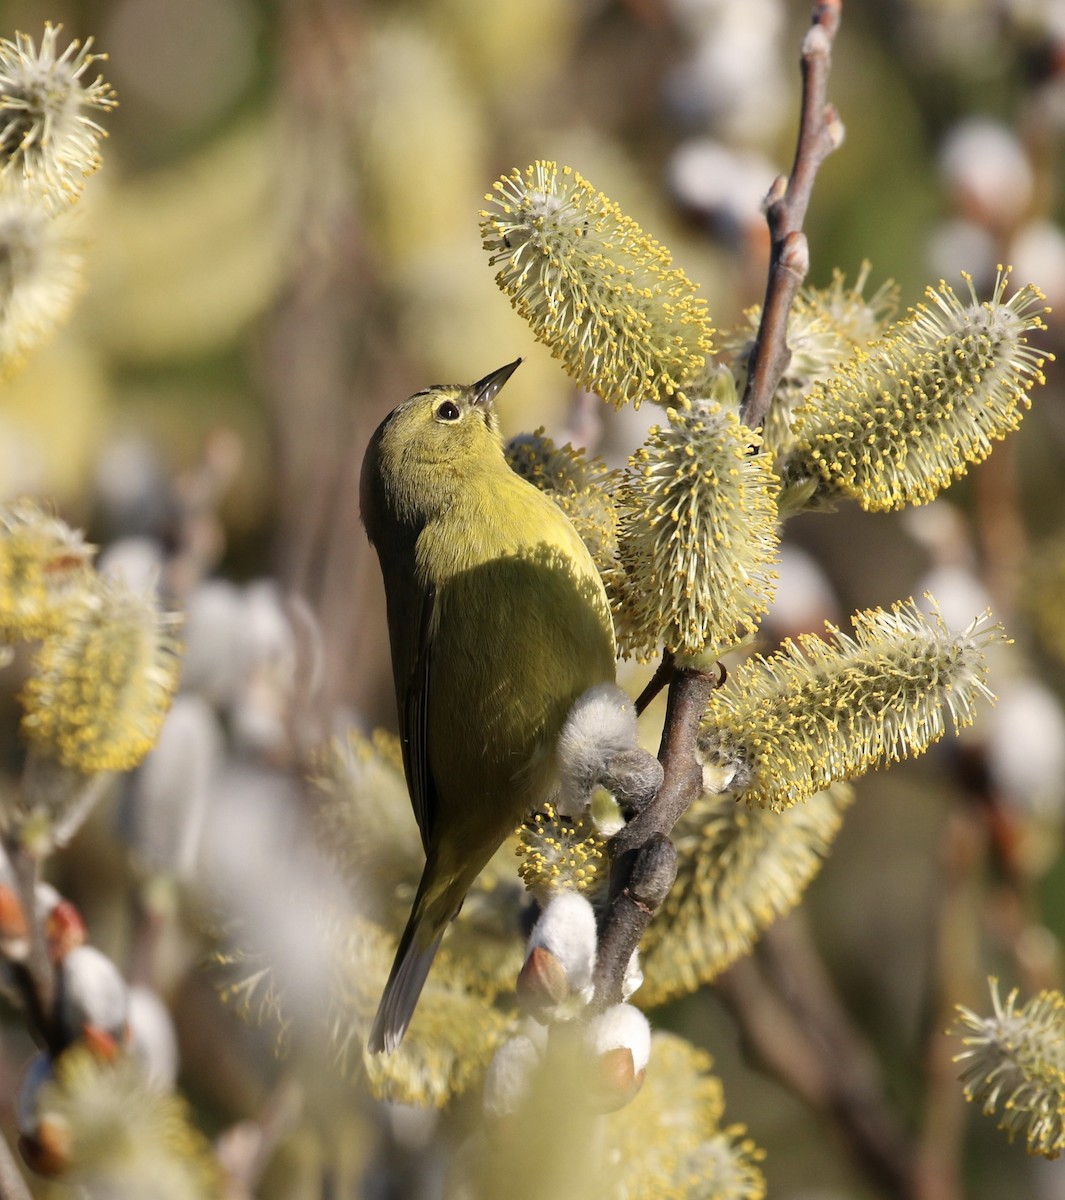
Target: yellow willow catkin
point(49, 135)
point(581, 486)
point(825, 326)
point(697, 538)
point(595, 289)
point(817, 711)
point(903, 418)
point(1013, 1065)
point(560, 853)
point(40, 276)
point(738, 870)
point(671, 1142)
point(453, 1034)
point(101, 686)
point(44, 564)
point(127, 1138)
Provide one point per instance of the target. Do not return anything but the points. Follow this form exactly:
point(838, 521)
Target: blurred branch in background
point(325, 349)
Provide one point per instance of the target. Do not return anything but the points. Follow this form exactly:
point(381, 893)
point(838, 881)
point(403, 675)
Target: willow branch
point(643, 861)
point(660, 679)
point(820, 132)
point(780, 1037)
point(855, 1084)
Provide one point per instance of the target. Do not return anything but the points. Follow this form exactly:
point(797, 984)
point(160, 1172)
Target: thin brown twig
point(778, 1038)
point(662, 676)
point(642, 858)
point(954, 974)
point(643, 861)
point(854, 1081)
point(820, 132)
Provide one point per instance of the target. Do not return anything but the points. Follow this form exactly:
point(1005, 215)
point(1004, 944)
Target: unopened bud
point(93, 1000)
point(48, 1151)
point(556, 981)
point(64, 929)
point(620, 1041)
point(541, 983)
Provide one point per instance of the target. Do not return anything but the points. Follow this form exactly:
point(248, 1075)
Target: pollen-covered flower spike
point(698, 537)
point(595, 289)
point(825, 326)
point(817, 711)
point(900, 420)
point(49, 135)
point(738, 870)
point(560, 854)
point(101, 686)
point(582, 487)
point(118, 1135)
point(1013, 1065)
point(40, 276)
point(43, 565)
point(674, 1139)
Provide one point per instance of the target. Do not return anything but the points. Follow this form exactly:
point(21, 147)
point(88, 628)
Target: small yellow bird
point(497, 620)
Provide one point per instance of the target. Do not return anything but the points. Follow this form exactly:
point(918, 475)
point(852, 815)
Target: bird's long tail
point(417, 948)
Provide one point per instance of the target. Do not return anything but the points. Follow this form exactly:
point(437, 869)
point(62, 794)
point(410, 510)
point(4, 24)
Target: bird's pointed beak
point(485, 390)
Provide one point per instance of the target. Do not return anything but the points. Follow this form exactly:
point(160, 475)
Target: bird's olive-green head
point(431, 442)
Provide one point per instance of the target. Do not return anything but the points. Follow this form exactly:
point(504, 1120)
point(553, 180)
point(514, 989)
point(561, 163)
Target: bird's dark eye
point(448, 411)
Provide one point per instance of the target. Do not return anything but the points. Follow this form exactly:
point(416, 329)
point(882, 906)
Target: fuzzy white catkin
point(92, 992)
point(212, 639)
point(172, 790)
point(136, 561)
point(601, 724)
point(566, 928)
point(506, 1083)
point(804, 600)
point(1038, 252)
point(153, 1041)
point(729, 184)
point(1026, 747)
point(45, 898)
point(958, 594)
point(985, 166)
point(621, 1027)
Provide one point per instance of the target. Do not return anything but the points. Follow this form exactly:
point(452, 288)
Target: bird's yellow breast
point(521, 627)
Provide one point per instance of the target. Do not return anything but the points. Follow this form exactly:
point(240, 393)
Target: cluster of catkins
point(599, 762)
point(101, 1094)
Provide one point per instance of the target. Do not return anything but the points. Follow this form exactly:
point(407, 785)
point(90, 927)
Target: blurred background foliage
point(283, 243)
